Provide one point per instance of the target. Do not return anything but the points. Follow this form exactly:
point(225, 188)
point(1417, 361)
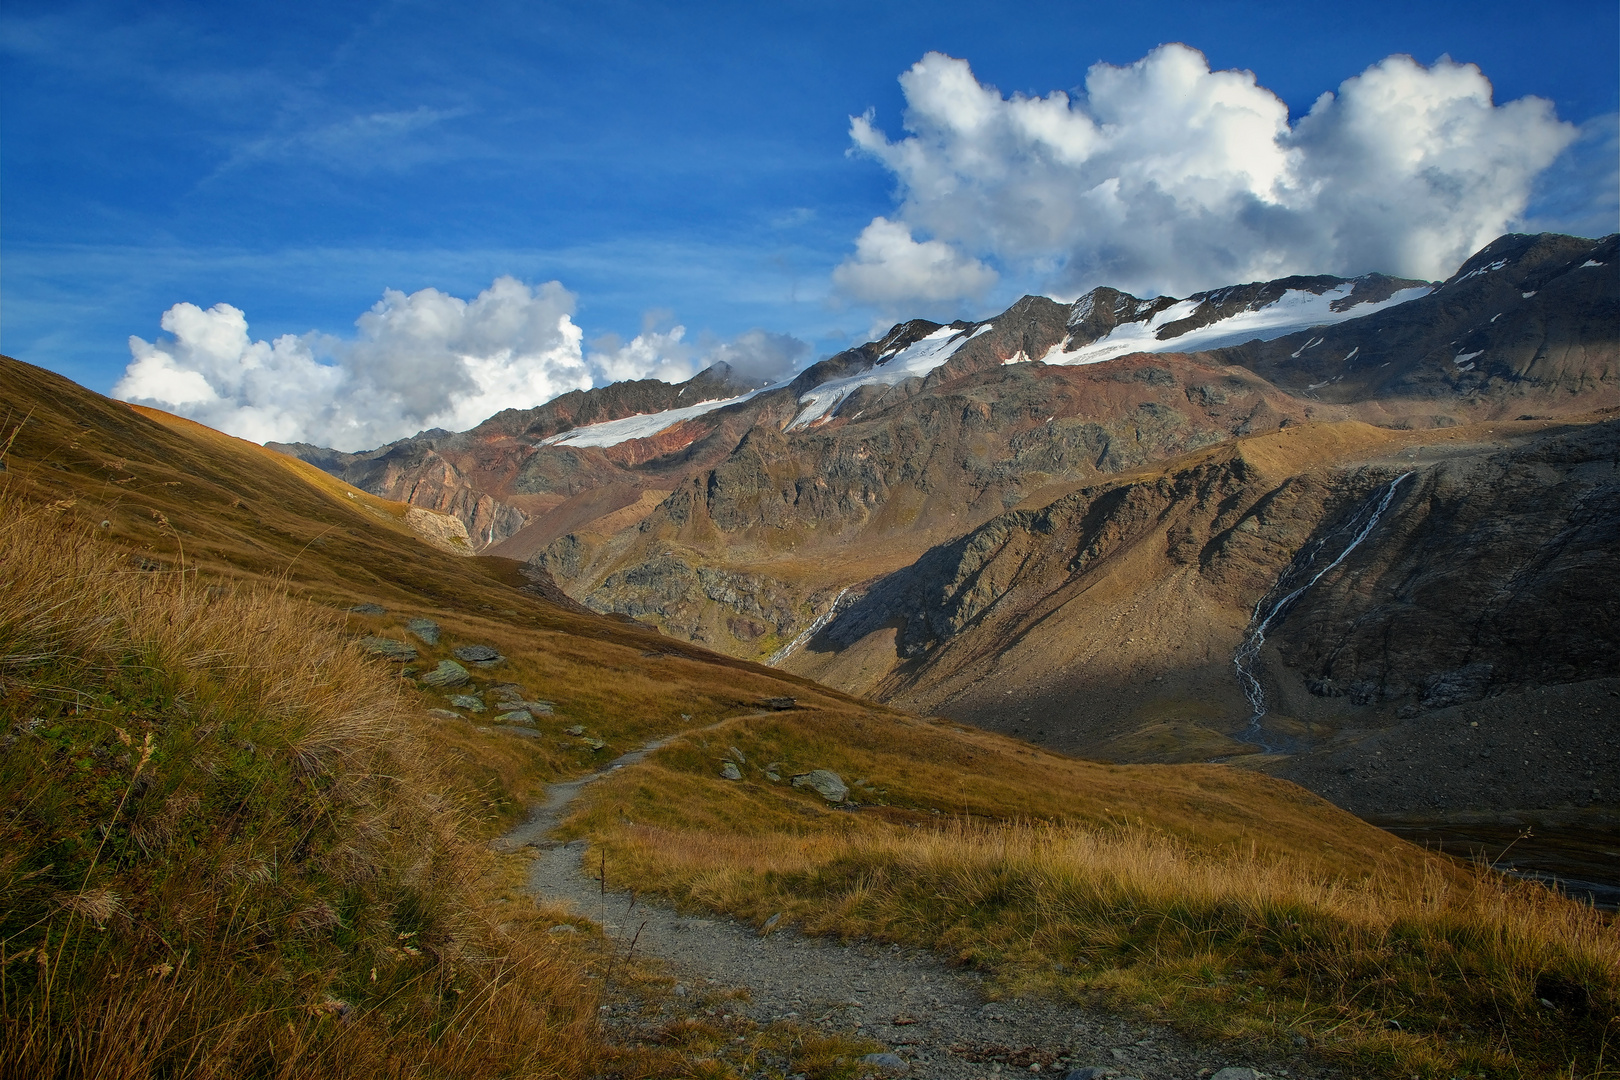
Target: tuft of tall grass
point(1437, 973)
point(225, 852)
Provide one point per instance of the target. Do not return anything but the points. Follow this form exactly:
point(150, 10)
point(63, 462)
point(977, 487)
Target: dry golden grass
point(1233, 905)
point(223, 852)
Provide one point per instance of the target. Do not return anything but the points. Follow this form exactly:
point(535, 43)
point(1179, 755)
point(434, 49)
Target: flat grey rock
point(729, 771)
point(481, 655)
point(369, 609)
point(426, 629)
point(470, 702)
point(388, 648)
point(824, 782)
point(447, 674)
point(507, 695)
point(516, 716)
point(890, 1062)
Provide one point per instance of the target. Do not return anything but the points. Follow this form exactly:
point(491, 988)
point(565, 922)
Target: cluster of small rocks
point(577, 731)
point(824, 782)
point(511, 707)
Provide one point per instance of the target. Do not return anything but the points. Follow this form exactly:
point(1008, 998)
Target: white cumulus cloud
point(418, 361)
point(1164, 175)
point(651, 354)
point(891, 267)
point(757, 355)
point(423, 360)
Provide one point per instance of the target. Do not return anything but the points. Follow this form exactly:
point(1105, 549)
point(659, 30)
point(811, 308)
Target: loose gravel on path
point(933, 1016)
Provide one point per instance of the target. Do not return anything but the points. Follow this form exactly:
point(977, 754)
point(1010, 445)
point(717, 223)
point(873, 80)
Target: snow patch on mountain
point(1295, 310)
point(915, 360)
point(641, 425)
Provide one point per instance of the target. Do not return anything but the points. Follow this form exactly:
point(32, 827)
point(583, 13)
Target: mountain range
point(1059, 523)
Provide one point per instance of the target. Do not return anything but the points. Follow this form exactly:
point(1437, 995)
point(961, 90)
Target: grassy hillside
point(172, 493)
point(213, 896)
point(224, 850)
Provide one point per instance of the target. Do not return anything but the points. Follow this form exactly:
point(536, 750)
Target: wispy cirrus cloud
point(361, 143)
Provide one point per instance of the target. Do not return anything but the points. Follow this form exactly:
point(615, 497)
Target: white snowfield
point(640, 426)
point(1290, 313)
point(913, 361)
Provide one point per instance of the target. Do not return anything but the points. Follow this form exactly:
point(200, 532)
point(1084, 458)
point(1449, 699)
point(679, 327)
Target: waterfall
point(809, 632)
point(1268, 609)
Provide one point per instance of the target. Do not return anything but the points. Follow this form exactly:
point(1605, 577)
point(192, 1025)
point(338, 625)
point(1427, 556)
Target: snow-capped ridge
point(913, 361)
point(1197, 323)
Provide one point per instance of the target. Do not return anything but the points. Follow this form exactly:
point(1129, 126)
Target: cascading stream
point(1269, 608)
point(809, 632)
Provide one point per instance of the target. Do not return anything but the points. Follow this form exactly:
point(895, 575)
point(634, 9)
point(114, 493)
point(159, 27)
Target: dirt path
point(933, 1016)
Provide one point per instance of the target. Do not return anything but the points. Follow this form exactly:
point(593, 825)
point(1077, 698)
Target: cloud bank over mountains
point(418, 361)
point(1165, 176)
point(1161, 176)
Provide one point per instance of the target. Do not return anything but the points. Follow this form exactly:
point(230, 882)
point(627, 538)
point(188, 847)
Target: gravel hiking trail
point(934, 1017)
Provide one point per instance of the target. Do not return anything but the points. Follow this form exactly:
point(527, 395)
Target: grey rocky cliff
point(1499, 571)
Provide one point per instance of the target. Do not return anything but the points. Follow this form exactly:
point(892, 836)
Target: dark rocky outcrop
point(1500, 571)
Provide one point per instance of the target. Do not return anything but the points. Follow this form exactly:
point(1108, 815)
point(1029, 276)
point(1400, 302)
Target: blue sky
point(667, 164)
